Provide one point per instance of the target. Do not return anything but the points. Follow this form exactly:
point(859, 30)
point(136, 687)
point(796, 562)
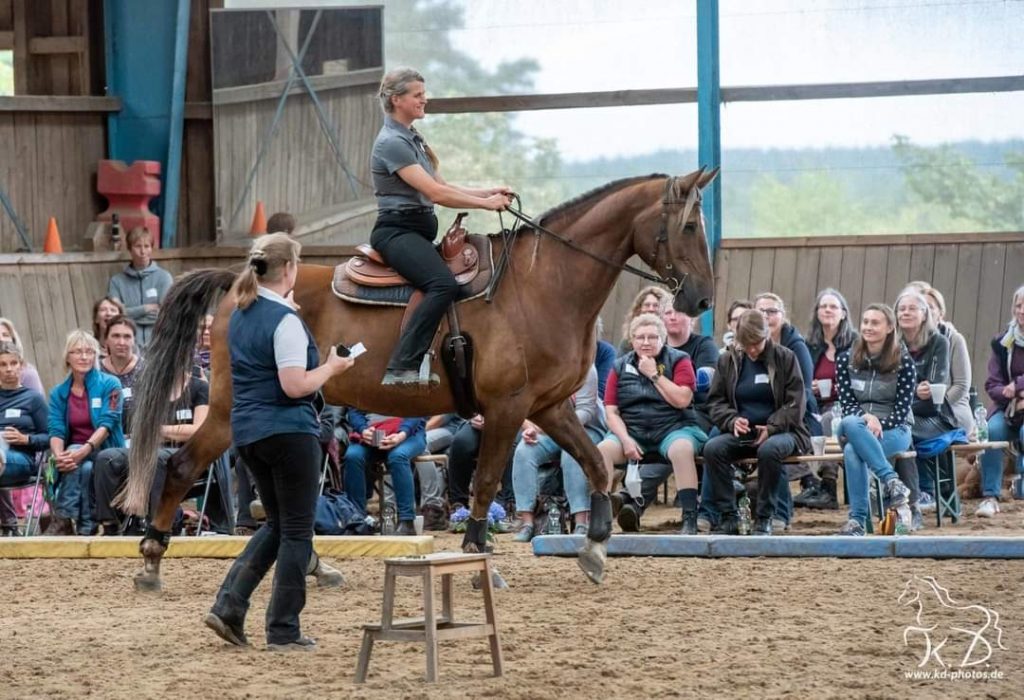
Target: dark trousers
point(286, 469)
point(462, 461)
point(406, 242)
point(722, 450)
point(246, 494)
point(109, 473)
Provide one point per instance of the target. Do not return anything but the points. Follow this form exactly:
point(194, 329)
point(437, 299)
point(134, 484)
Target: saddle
point(369, 268)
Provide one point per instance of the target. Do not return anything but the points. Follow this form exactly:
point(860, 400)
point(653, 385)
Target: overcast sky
point(584, 45)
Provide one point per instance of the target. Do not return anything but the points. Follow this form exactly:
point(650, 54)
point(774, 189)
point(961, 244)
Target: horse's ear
point(707, 176)
point(684, 183)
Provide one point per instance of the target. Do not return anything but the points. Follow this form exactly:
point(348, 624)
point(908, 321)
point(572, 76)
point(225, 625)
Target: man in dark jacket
point(757, 400)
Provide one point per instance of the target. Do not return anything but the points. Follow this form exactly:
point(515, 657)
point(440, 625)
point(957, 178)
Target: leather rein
point(674, 285)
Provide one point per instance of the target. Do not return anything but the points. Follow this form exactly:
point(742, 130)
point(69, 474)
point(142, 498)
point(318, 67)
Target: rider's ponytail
point(267, 258)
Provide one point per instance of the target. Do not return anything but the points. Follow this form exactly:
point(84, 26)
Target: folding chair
point(34, 514)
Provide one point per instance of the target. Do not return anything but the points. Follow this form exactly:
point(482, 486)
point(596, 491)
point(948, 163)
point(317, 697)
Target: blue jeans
point(864, 451)
point(75, 498)
point(19, 467)
point(992, 460)
point(399, 464)
point(528, 459)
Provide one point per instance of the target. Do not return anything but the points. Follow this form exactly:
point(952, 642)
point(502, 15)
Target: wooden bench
point(431, 629)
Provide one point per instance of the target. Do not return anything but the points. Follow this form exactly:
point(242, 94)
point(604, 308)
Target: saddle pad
point(346, 289)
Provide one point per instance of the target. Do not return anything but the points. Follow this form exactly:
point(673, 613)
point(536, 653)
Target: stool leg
point(363, 666)
point(388, 608)
point(447, 613)
point(488, 591)
point(430, 626)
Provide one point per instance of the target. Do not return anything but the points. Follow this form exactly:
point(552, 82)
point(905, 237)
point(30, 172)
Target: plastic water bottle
point(979, 419)
point(632, 481)
point(554, 526)
point(744, 516)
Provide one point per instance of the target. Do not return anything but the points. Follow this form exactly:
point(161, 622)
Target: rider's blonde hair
point(266, 262)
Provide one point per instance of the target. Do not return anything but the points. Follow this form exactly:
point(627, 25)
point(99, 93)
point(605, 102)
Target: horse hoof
point(146, 583)
point(328, 577)
point(591, 560)
point(497, 582)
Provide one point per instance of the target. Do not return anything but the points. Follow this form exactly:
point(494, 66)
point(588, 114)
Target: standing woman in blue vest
point(407, 185)
point(275, 374)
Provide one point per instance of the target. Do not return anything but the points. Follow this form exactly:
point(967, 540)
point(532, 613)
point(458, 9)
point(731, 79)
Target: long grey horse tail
point(168, 355)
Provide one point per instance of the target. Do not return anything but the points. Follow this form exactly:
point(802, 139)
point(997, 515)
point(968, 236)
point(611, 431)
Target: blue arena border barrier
point(709, 546)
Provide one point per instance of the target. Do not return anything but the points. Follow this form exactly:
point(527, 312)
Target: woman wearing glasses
point(85, 417)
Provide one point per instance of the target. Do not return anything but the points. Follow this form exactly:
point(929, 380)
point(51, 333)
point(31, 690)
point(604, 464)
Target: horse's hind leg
point(183, 468)
point(563, 426)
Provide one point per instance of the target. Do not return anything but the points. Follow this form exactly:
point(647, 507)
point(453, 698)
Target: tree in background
point(481, 148)
point(6, 72)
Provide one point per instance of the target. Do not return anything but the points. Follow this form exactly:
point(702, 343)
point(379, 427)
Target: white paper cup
point(938, 393)
point(818, 444)
point(417, 524)
point(825, 388)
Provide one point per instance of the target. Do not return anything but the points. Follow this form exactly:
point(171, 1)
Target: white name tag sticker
point(151, 294)
point(97, 403)
point(128, 443)
point(857, 384)
point(127, 392)
point(12, 413)
point(630, 369)
point(760, 379)
point(183, 414)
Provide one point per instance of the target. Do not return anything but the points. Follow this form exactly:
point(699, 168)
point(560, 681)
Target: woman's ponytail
point(267, 258)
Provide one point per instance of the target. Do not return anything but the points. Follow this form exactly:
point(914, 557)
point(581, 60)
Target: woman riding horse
point(407, 184)
point(528, 360)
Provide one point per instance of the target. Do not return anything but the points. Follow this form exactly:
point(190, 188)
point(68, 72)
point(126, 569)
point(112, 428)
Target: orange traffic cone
point(52, 242)
point(259, 221)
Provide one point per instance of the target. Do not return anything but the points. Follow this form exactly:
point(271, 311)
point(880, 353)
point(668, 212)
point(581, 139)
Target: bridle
point(669, 199)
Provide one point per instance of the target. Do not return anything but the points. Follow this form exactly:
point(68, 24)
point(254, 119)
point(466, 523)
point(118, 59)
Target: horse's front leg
point(183, 468)
point(563, 426)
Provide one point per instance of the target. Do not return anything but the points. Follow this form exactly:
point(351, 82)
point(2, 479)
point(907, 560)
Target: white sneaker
point(926, 503)
point(988, 508)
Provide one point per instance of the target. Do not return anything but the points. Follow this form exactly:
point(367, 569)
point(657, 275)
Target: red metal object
point(128, 189)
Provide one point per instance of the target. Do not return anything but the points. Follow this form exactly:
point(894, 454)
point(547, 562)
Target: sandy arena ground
point(748, 628)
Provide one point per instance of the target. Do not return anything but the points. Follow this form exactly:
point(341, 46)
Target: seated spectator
point(433, 506)
point(536, 449)
point(124, 363)
point(142, 286)
point(1005, 388)
point(831, 334)
point(403, 440)
point(757, 401)
point(102, 311)
point(462, 462)
point(930, 352)
point(281, 222)
point(703, 354)
point(876, 379)
point(736, 309)
point(22, 427)
point(958, 393)
point(649, 300)
point(84, 419)
point(190, 403)
point(604, 358)
point(30, 380)
point(785, 334)
point(201, 360)
point(648, 403)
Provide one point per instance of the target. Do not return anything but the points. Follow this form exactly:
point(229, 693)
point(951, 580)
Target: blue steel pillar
point(709, 98)
point(146, 63)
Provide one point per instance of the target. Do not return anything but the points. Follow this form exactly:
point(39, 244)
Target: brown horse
point(533, 346)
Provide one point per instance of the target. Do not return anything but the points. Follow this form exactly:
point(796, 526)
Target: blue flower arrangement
point(495, 514)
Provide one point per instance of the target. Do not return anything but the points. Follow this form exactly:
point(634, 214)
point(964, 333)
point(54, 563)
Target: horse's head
point(669, 236)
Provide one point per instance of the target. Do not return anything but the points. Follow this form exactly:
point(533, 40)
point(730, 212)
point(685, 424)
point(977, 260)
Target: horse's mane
point(571, 206)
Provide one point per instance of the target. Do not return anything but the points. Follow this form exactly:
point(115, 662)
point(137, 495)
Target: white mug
point(825, 388)
point(938, 393)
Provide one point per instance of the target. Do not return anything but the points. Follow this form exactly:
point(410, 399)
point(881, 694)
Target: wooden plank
point(7, 40)
point(944, 273)
point(784, 272)
point(272, 90)
point(721, 305)
point(988, 316)
point(737, 286)
point(897, 270)
point(1013, 277)
point(59, 103)
point(7, 16)
point(760, 93)
point(922, 263)
point(59, 61)
point(911, 239)
point(23, 189)
point(21, 38)
point(81, 83)
point(968, 283)
point(829, 270)
point(875, 266)
point(53, 45)
point(761, 272)
point(851, 278)
point(808, 261)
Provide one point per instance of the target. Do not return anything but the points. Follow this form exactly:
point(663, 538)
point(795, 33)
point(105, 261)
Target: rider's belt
point(407, 210)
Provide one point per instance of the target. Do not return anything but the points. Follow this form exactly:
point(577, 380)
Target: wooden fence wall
point(48, 295)
point(299, 172)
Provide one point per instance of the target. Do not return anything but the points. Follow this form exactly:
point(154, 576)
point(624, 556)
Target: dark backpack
point(337, 514)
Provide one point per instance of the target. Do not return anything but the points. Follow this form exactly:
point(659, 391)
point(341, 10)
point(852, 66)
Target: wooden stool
point(431, 629)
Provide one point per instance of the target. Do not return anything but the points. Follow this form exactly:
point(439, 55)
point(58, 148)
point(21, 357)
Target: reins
point(667, 200)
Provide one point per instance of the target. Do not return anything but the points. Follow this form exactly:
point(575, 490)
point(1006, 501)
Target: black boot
point(825, 499)
point(689, 523)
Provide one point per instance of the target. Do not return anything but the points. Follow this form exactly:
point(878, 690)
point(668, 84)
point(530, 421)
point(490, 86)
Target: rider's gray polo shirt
point(396, 147)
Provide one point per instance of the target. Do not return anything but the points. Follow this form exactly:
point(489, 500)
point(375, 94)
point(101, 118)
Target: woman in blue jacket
point(85, 417)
